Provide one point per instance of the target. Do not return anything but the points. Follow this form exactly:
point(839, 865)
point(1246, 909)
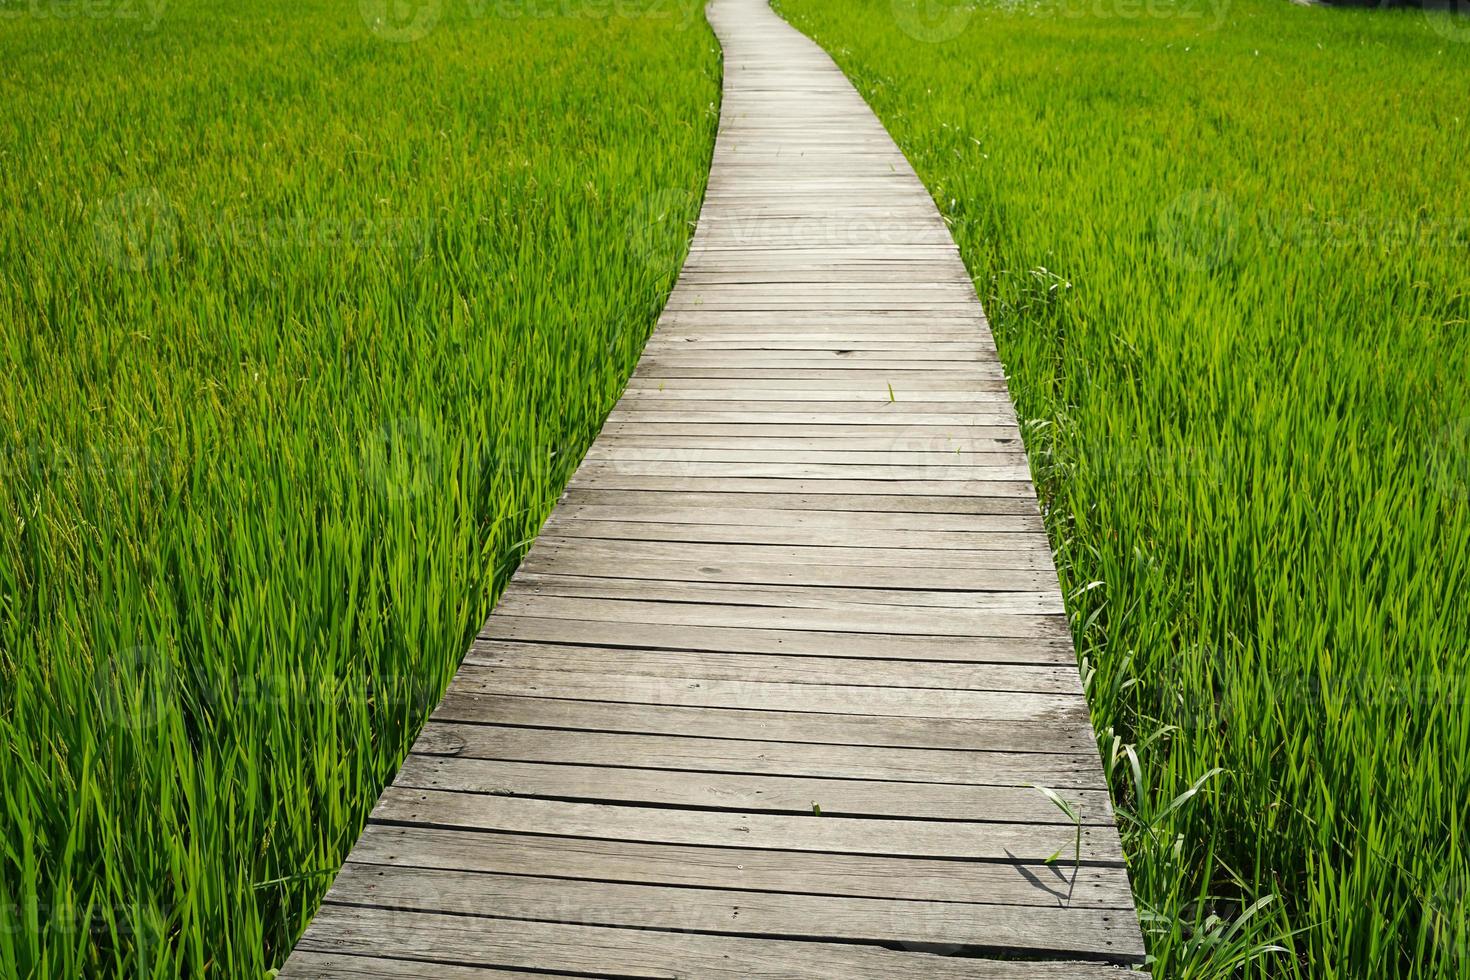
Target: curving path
point(769, 694)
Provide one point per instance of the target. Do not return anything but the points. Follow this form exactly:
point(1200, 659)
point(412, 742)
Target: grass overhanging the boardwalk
point(307, 311)
point(1226, 252)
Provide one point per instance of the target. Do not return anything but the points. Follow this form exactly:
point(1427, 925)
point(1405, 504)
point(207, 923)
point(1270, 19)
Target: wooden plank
point(873, 362)
point(796, 536)
point(816, 698)
point(699, 753)
point(835, 379)
point(846, 410)
point(907, 472)
point(433, 939)
point(951, 291)
point(1068, 931)
point(803, 574)
point(730, 791)
point(830, 382)
point(792, 670)
point(876, 366)
point(921, 441)
point(684, 513)
point(881, 432)
point(789, 321)
point(875, 503)
point(795, 643)
point(839, 383)
point(834, 321)
point(913, 455)
point(310, 965)
point(880, 391)
point(971, 840)
point(550, 547)
point(593, 476)
point(816, 337)
point(892, 622)
point(855, 875)
point(737, 594)
point(749, 359)
point(735, 371)
point(755, 725)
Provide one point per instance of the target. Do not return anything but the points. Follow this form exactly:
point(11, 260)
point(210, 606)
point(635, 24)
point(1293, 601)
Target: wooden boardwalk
point(770, 694)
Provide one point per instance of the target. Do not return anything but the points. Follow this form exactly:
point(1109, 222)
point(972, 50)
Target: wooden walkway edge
point(772, 693)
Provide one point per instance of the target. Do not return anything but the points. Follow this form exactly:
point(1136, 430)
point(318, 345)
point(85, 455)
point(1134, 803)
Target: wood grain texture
point(857, 875)
point(434, 940)
point(965, 767)
point(776, 691)
point(708, 910)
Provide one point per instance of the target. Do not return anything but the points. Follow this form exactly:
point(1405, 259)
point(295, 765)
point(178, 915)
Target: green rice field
point(1226, 252)
point(307, 310)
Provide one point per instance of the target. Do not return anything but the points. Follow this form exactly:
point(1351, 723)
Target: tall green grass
point(1226, 250)
point(304, 320)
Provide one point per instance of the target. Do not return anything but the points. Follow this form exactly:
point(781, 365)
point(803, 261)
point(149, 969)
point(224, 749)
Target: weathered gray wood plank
point(894, 622)
point(900, 507)
point(738, 594)
point(974, 840)
point(797, 574)
point(955, 767)
point(702, 692)
point(1096, 932)
point(794, 670)
point(776, 534)
point(1036, 557)
point(808, 642)
point(857, 875)
point(311, 965)
point(734, 791)
point(756, 516)
point(1032, 737)
point(463, 941)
